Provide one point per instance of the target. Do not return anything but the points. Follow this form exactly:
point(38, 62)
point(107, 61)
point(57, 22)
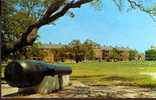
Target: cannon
point(29, 73)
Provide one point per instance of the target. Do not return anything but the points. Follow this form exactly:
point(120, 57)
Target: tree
point(56, 52)
point(153, 47)
point(66, 52)
point(6, 10)
point(150, 54)
point(48, 11)
point(32, 8)
point(114, 54)
point(34, 51)
point(13, 27)
point(77, 50)
point(132, 54)
point(88, 47)
point(16, 25)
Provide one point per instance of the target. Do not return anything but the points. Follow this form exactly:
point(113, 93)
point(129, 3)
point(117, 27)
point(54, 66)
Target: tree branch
point(134, 5)
point(118, 4)
point(53, 8)
point(63, 11)
point(29, 36)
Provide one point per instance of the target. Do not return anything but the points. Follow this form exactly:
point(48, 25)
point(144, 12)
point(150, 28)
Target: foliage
point(34, 51)
point(58, 54)
point(7, 10)
point(77, 50)
point(88, 47)
point(114, 54)
point(15, 22)
point(81, 51)
point(16, 26)
point(28, 52)
point(150, 54)
point(132, 54)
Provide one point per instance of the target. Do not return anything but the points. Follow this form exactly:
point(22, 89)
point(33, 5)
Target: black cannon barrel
point(28, 73)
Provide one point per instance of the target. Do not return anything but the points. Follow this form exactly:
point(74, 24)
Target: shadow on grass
point(105, 77)
point(87, 76)
point(118, 78)
point(149, 85)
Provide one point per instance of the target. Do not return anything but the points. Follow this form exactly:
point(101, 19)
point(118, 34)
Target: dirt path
point(77, 90)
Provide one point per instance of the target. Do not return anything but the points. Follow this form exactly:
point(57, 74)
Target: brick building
point(104, 53)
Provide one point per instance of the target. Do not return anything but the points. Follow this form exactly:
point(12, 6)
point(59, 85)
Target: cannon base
point(49, 84)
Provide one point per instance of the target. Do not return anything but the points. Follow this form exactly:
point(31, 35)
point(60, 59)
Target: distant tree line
point(83, 51)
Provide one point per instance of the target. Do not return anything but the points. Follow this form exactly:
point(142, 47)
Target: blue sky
point(108, 26)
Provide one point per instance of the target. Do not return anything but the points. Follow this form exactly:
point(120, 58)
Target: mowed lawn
point(115, 73)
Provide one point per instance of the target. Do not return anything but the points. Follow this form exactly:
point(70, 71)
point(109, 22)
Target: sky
point(108, 26)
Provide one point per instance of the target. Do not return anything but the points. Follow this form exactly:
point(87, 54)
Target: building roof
point(118, 48)
point(50, 46)
point(106, 48)
point(123, 49)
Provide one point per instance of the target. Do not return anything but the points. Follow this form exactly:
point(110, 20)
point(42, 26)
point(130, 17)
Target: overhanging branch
point(53, 8)
point(134, 5)
point(29, 36)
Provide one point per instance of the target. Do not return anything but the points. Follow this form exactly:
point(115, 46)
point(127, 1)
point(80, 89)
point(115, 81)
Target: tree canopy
point(151, 53)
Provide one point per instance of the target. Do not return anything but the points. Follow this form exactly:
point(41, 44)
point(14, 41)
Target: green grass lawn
point(115, 73)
